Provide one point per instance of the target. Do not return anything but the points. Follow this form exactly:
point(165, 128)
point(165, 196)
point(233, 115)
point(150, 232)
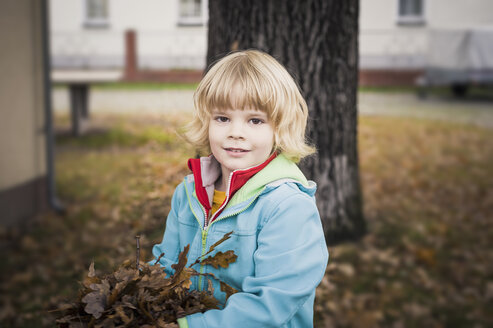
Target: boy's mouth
point(236, 150)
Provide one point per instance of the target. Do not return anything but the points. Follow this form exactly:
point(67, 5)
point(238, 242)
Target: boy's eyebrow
point(218, 111)
point(250, 112)
point(257, 113)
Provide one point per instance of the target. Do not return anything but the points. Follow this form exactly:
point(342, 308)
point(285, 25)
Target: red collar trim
point(194, 166)
point(238, 179)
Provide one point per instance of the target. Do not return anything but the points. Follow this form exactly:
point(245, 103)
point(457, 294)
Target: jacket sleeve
point(170, 245)
point(290, 262)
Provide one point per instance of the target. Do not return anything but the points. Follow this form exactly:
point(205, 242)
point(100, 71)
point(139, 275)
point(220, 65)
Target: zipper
point(205, 229)
point(204, 242)
point(202, 267)
point(205, 232)
point(227, 197)
point(240, 211)
point(224, 203)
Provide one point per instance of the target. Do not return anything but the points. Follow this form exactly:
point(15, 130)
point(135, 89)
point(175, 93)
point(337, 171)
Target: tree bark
point(317, 41)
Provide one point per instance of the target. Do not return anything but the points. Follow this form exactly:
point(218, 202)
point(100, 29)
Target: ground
point(426, 261)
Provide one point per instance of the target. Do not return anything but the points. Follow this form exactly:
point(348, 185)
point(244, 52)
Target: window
point(410, 12)
point(96, 13)
point(192, 12)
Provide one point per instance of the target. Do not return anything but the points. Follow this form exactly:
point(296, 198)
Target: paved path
point(446, 108)
point(472, 111)
point(130, 101)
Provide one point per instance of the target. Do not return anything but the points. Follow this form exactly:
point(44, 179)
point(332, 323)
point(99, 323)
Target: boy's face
point(240, 139)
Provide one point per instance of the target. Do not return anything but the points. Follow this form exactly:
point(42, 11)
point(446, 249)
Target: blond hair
point(252, 79)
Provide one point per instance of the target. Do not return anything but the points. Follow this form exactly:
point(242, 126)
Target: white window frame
point(95, 22)
point(193, 21)
point(411, 19)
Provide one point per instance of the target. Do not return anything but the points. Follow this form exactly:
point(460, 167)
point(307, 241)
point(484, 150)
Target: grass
point(428, 205)
point(425, 262)
point(118, 136)
point(474, 92)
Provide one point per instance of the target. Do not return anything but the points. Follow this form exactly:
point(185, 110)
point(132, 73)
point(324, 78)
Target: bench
point(79, 83)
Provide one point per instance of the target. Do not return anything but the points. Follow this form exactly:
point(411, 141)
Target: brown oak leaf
point(221, 259)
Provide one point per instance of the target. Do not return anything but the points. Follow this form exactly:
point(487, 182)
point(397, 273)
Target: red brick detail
point(374, 78)
point(134, 74)
point(367, 77)
point(130, 54)
point(378, 78)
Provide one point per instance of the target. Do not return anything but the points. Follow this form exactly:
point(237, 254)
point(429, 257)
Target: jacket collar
point(206, 170)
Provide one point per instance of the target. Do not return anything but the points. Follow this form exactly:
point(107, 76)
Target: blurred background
point(91, 94)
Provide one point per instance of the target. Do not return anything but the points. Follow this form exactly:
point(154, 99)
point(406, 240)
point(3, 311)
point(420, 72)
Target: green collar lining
point(279, 168)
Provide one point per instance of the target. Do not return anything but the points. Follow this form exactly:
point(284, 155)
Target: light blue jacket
point(279, 241)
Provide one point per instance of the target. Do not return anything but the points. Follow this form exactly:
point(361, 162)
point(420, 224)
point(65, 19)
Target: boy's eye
point(256, 121)
point(222, 119)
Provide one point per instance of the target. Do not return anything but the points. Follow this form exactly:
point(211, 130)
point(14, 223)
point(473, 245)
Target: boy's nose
point(236, 131)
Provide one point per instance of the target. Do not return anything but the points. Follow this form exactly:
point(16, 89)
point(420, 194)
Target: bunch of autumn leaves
point(143, 295)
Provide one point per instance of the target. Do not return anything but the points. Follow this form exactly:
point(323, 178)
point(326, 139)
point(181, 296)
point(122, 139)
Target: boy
point(251, 118)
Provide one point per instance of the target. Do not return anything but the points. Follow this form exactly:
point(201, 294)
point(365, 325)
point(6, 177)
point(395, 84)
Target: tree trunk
point(317, 41)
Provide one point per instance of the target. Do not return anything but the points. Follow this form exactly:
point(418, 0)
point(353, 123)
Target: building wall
point(382, 14)
point(161, 41)
point(459, 13)
point(386, 44)
point(22, 139)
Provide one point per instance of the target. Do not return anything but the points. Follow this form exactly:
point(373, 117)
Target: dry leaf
point(143, 297)
point(220, 259)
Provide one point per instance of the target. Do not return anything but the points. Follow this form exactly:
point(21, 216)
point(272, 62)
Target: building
point(25, 153)
point(91, 34)
point(172, 34)
point(396, 35)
